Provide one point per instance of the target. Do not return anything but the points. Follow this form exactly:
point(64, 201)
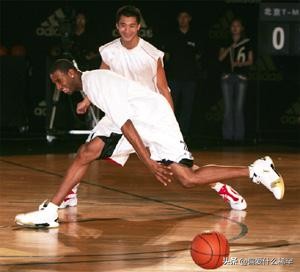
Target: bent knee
point(88, 153)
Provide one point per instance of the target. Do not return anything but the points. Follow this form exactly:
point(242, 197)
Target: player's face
point(128, 28)
point(80, 20)
point(184, 19)
point(236, 27)
point(64, 82)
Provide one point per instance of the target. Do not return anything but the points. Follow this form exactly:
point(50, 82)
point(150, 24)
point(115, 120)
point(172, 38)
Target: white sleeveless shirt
point(138, 63)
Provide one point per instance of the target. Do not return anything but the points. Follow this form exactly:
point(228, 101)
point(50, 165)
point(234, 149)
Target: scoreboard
point(279, 28)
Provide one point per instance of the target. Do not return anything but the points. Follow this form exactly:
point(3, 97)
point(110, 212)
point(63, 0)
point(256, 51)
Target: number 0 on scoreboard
point(279, 28)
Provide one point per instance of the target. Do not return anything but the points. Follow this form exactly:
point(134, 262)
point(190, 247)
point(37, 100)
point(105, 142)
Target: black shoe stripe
point(43, 225)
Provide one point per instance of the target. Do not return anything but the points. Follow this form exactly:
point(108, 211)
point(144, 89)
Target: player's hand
point(82, 107)
point(162, 172)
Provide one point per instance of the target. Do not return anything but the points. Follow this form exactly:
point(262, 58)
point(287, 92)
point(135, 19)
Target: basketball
point(209, 249)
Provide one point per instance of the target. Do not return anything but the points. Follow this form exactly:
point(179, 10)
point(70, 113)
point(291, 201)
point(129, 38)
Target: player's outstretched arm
point(161, 172)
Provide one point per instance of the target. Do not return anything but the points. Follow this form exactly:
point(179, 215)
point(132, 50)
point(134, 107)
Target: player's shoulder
point(89, 75)
point(99, 75)
point(151, 49)
point(147, 44)
point(115, 44)
point(246, 39)
point(249, 40)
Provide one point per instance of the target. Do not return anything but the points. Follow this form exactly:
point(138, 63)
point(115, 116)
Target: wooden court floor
point(127, 221)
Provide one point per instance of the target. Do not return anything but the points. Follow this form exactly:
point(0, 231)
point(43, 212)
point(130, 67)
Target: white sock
point(251, 171)
point(75, 188)
point(74, 192)
point(51, 206)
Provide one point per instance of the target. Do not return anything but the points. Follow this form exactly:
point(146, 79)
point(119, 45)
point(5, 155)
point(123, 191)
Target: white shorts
point(163, 139)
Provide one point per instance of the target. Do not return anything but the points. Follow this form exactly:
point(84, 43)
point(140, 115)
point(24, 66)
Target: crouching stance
point(129, 126)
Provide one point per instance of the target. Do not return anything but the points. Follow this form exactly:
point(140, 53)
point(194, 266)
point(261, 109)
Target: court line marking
point(89, 261)
point(146, 252)
point(243, 227)
point(124, 259)
point(96, 255)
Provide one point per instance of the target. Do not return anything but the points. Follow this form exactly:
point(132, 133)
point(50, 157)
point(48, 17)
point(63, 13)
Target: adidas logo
point(292, 114)
point(49, 27)
point(219, 30)
point(145, 31)
point(42, 103)
point(40, 109)
point(264, 69)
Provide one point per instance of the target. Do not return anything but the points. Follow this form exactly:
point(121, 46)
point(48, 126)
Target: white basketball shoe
point(69, 201)
point(46, 217)
point(235, 200)
point(263, 171)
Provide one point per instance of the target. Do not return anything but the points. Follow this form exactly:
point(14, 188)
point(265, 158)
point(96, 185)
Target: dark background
point(273, 98)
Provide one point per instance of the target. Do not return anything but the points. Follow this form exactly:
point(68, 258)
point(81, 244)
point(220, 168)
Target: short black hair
point(237, 19)
point(63, 65)
point(184, 10)
point(129, 11)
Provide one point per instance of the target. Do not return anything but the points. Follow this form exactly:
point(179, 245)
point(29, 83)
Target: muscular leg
point(234, 199)
point(87, 153)
point(207, 174)
point(196, 167)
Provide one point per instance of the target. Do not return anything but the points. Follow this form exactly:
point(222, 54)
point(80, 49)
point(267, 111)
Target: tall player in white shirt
point(136, 59)
point(154, 126)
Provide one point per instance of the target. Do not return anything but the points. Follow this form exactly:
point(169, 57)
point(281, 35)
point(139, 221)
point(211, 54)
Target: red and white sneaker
point(235, 200)
point(69, 201)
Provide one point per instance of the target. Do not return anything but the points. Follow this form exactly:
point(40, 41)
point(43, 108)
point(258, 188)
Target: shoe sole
point(38, 226)
point(67, 206)
point(239, 206)
point(279, 183)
